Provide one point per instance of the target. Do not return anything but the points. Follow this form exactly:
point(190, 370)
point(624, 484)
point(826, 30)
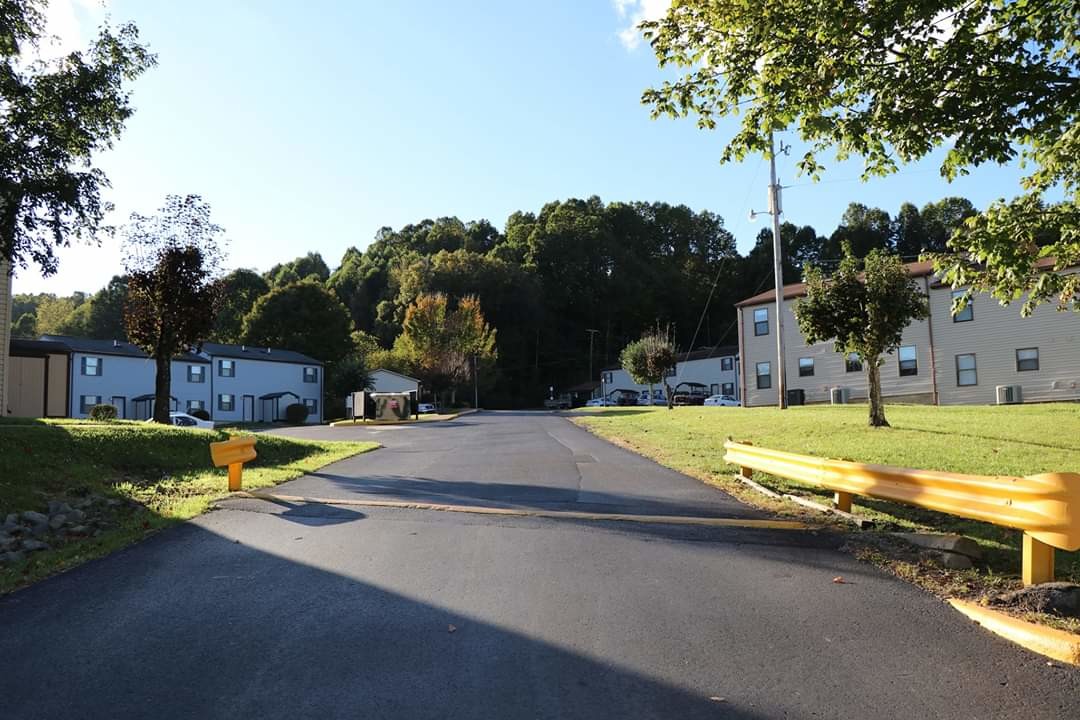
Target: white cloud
point(633, 12)
point(70, 25)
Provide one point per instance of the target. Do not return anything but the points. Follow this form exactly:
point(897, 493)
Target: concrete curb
point(1057, 644)
point(552, 514)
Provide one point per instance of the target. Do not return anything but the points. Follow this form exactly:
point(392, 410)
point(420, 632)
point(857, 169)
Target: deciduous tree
point(173, 260)
point(303, 316)
point(892, 82)
point(863, 308)
point(55, 115)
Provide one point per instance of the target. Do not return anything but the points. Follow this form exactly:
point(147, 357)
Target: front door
point(120, 403)
point(249, 408)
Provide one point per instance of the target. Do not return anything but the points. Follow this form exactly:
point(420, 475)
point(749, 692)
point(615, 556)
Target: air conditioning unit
point(839, 395)
point(1008, 394)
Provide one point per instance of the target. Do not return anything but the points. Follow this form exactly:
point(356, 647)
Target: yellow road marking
point(1051, 642)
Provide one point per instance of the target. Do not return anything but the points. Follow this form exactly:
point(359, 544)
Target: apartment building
point(717, 368)
point(233, 383)
point(945, 359)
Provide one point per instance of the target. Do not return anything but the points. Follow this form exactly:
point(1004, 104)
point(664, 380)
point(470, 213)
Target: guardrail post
point(842, 500)
point(1037, 562)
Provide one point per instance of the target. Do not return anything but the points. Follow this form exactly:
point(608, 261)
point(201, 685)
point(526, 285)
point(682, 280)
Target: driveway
point(287, 610)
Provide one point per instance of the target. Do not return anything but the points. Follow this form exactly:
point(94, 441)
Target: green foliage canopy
point(993, 81)
point(55, 116)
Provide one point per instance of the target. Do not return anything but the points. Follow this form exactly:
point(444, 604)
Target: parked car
point(722, 401)
point(184, 420)
point(658, 397)
point(600, 402)
point(426, 408)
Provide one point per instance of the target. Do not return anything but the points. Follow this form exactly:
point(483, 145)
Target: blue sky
point(308, 126)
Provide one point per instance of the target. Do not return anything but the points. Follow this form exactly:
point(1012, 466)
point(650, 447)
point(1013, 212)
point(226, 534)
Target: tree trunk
point(669, 396)
point(877, 408)
point(162, 390)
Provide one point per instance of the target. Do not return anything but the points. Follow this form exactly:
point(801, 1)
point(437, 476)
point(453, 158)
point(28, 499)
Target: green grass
point(164, 472)
point(1008, 440)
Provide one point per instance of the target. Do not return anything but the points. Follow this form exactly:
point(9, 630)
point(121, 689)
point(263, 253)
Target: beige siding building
point(943, 360)
point(5, 333)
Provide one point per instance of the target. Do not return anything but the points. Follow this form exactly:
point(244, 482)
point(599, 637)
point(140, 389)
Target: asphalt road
point(279, 610)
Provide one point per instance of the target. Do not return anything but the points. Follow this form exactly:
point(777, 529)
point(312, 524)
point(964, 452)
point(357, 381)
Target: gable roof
point(251, 352)
point(108, 347)
point(396, 374)
point(706, 353)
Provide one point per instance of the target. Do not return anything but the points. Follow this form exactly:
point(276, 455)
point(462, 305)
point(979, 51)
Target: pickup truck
point(562, 402)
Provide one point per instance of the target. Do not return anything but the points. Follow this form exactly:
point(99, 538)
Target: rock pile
point(28, 532)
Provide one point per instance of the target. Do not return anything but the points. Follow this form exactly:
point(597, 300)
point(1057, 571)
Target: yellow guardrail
point(1045, 507)
point(234, 453)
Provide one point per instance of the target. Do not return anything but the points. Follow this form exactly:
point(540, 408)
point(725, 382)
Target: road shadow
point(508, 495)
point(225, 630)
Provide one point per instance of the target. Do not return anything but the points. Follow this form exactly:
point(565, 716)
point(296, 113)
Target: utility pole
point(476, 383)
point(592, 335)
point(775, 209)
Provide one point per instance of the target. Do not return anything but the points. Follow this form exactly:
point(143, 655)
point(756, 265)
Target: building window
point(761, 321)
point(965, 370)
point(727, 389)
point(853, 363)
point(764, 376)
point(91, 366)
point(806, 367)
point(1027, 359)
point(195, 405)
point(226, 368)
point(196, 374)
point(88, 401)
point(968, 313)
point(909, 360)
point(226, 402)
point(727, 364)
point(311, 375)
point(607, 377)
point(312, 406)
point(714, 389)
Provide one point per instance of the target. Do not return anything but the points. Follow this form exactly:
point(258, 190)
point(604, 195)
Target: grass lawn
point(1007, 440)
point(162, 474)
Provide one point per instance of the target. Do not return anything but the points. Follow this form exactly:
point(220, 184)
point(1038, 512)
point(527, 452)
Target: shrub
point(296, 413)
point(103, 412)
point(200, 413)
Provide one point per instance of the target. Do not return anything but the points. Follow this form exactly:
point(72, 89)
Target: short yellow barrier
point(1046, 507)
point(234, 453)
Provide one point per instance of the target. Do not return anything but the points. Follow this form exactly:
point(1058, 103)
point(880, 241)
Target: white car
point(184, 420)
point(425, 408)
point(599, 402)
point(722, 401)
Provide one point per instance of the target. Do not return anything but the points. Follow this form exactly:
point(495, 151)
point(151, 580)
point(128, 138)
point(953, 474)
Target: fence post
point(1037, 562)
point(842, 500)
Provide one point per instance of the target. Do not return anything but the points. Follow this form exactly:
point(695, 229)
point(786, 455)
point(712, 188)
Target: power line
point(719, 270)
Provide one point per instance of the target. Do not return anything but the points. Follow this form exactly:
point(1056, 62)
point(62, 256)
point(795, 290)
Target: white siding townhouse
point(233, 383)
point(717, 368)
point(945, 359)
